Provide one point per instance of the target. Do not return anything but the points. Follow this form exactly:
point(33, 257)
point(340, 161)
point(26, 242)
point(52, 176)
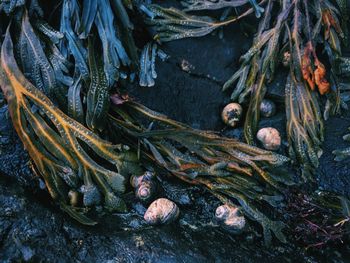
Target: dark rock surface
point(33, 229)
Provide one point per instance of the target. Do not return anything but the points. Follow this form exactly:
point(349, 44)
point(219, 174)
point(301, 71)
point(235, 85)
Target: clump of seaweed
point(173, 24)
point(293, 34)
point(85, 142)
point(86, 139)
point(320, 219)
point(56, 143)
point(290, 32)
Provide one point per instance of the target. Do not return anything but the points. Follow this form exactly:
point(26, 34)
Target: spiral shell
point(145, 191)
point(161, 211)
point(270, 138)
point(267, 108)
point(230, 218)
point(145, 186)
point(232, 114)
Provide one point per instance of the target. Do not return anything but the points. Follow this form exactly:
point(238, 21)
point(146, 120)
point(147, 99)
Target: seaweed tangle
point(85, 140)
point(290, 38)
point(84, 137)
point(289, 33)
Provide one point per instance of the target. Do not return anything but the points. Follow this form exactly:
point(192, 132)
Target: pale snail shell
point(145, 191)
point(230, 218)
point(161, 211)
point(267, 108)
point(145, 186)
point(270, 138)
point(232, 114)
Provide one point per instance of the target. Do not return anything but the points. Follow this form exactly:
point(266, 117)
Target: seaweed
point(83, 139)
point(225, 167)
point(294, 34)
point(173, 24)
point(54, 142)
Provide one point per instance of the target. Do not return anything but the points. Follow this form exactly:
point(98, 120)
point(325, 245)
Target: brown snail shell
point(161, 211)
point(267, 108)
point(232, 114)
point(230, 218)
point(270, 138)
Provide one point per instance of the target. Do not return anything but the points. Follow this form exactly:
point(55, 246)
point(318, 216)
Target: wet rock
point(179, 192)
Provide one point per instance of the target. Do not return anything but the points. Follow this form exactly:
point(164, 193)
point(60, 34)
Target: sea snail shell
point(145, 186)
point(230, 218)
point(270, 138)
point(161, 211)
point(232, 114)
point(267, 108)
